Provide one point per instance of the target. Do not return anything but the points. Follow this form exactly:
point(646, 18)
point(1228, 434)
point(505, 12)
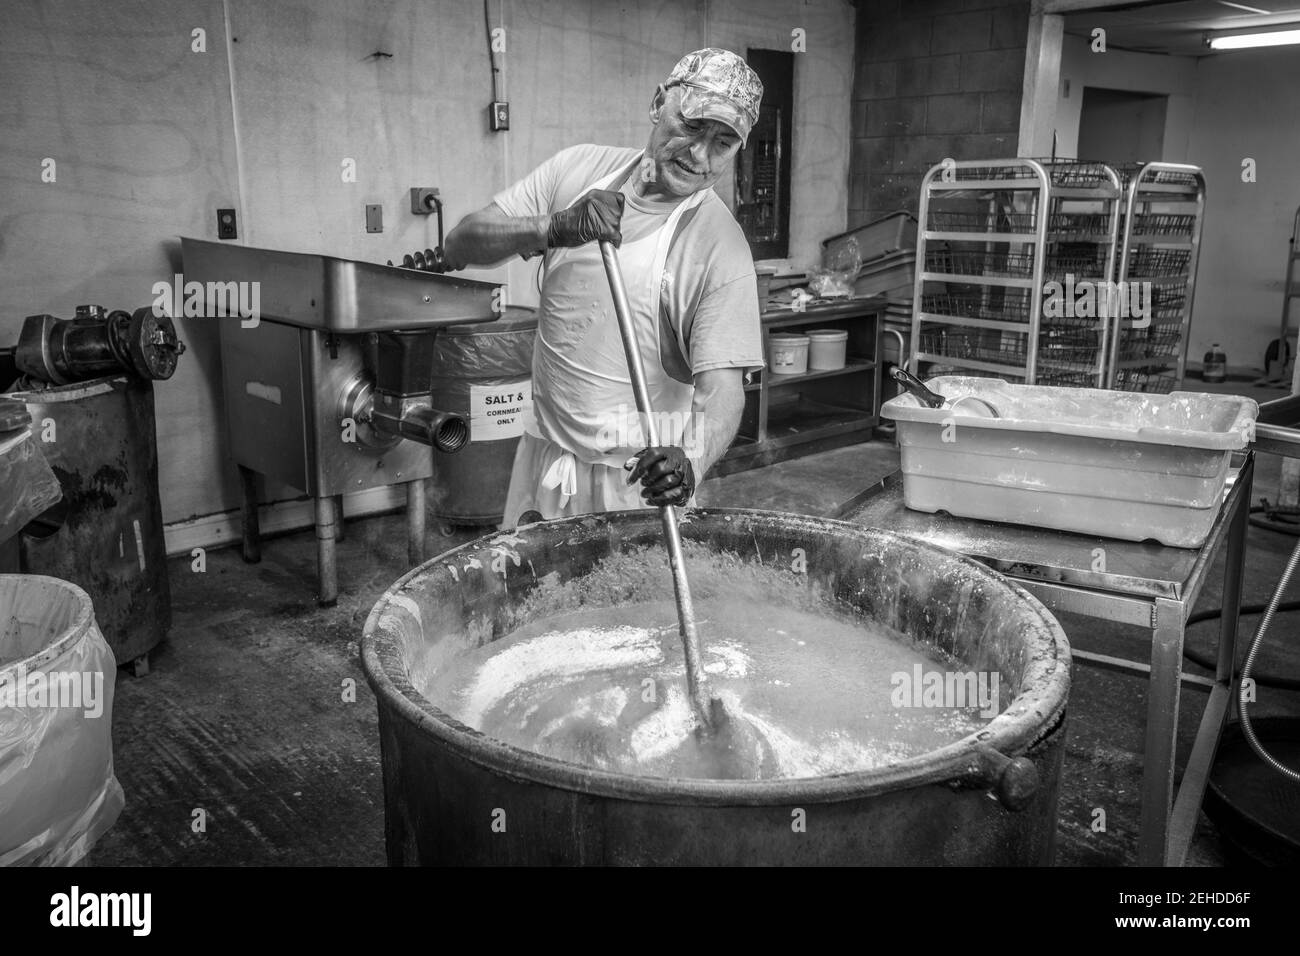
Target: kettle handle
point(1014, 781)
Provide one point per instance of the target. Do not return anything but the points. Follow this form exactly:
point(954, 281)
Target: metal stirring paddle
point(708, 710)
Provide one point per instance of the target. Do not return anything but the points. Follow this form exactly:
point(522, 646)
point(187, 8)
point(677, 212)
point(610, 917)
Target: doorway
point(1121, 126)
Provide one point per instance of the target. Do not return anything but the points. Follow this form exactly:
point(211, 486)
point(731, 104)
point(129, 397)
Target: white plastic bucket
point(826, 349)
point(789, 353)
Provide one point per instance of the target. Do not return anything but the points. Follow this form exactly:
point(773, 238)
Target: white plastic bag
point(58, 794)
point(838, 272)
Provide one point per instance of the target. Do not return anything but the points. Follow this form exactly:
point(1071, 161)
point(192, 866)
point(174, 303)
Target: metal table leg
point(326, 560)
point(1196, 775)
point(252, 535)
point(1233, 572)
point(415, 509)
point(1163, 691)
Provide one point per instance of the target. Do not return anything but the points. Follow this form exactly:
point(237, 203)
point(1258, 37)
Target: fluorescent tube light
point(1246, 40)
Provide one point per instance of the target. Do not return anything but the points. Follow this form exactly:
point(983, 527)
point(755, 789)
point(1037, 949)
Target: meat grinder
point(327, 366)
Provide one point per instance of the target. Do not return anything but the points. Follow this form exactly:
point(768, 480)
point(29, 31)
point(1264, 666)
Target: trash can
point(106, 535)
point(483, 372)
point(58, 794)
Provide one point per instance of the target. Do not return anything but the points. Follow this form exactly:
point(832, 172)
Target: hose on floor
point(1249, 731)
point(1270, 610)
point(1282, 526)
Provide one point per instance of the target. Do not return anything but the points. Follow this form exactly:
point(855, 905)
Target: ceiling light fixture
point(1245, 41)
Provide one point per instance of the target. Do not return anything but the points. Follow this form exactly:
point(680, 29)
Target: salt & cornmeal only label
point(497, 411)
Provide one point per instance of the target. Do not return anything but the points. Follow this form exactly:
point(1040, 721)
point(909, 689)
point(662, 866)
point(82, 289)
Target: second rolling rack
point(1163, 212)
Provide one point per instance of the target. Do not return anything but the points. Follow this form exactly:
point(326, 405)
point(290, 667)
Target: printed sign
point(497, 411)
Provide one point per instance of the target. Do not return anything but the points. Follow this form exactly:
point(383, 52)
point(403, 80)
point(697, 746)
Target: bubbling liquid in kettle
point(603, 685)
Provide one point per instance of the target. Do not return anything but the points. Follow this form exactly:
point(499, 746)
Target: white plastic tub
point(1117, 464)
point(827, 349)
point(789, 353)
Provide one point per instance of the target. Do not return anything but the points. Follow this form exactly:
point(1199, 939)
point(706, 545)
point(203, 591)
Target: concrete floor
point(248, 714)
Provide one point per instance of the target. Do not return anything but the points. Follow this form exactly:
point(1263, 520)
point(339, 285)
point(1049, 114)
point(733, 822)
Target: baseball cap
point(718, 85)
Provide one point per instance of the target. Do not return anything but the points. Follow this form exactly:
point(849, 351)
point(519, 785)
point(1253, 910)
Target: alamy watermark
point(1097, 299)
point(946, 689)
point(624, 428)
point(210, 300)
point(78, 690)
point(129, 910)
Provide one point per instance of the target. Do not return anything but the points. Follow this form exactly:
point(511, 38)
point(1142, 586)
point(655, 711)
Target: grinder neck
point(403, 370)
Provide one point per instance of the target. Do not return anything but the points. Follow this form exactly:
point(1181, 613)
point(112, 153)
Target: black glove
point(666, 473)
point(593, 218)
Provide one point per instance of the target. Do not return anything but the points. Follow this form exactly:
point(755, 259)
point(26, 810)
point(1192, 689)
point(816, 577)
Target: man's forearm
point(715, 417)
point(489, 236)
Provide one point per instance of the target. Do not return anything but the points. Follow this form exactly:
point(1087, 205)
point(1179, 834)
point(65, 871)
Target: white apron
point(584, 423)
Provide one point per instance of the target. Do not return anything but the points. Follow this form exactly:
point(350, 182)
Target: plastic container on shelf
point(789, 353)
point(892, 275)
point(1117, 464)
point(879, 237)
point(827, 348)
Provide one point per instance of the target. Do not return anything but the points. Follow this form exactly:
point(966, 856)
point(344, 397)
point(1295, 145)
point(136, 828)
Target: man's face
point(688, 155)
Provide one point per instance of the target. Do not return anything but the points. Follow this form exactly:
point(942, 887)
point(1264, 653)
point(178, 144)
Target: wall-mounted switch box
point(499, 117)
point(423, 200)
point(374, 217)
point(226, 225)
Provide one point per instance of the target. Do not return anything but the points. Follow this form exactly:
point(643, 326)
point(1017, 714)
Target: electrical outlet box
point(499, 117)
point(374, 217)
point(423, 200)
point(226, 224)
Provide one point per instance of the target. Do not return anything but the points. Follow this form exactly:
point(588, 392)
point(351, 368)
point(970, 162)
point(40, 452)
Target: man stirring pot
point(690, 283)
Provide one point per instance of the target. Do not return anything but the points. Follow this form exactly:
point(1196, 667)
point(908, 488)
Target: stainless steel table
point(1145, 584)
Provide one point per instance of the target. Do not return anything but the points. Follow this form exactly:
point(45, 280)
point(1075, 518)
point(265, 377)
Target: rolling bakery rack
point(1005, 244)
point(993, 235)
point(1164, 207)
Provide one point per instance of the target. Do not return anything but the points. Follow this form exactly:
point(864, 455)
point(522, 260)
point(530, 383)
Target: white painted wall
point(1246, 106)
point(1222, 109)
point(1174, 76)
point(150, 138)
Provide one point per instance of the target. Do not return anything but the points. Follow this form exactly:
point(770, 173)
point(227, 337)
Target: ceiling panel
point(1179, 27)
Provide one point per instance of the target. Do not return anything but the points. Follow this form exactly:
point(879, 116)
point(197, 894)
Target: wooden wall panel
point(140, 129)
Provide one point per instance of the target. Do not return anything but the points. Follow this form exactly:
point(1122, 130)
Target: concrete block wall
point(934, 79)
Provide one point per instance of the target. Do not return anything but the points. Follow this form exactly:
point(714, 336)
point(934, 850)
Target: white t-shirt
point(709, 294)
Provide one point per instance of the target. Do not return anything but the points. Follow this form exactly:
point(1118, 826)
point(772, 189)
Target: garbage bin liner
point(58, 794)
